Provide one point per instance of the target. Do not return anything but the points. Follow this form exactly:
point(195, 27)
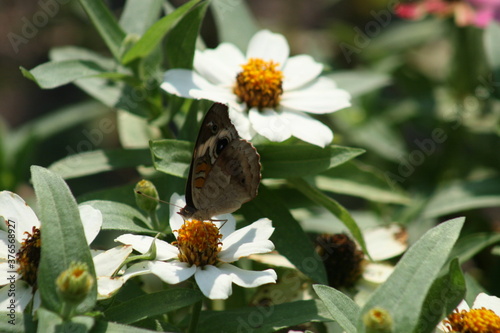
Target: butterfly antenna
point(159, 200)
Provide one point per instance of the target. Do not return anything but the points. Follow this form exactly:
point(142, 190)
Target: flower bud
point(146, 196)
point(74, 284)
point(378, 320)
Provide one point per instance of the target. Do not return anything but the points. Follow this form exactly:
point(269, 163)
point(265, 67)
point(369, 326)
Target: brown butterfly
point(224, 171)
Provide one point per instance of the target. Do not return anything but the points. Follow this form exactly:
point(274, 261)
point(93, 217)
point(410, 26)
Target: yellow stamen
point(198, 243)
point(28, 256)
point(259, 84)
point(473, 321)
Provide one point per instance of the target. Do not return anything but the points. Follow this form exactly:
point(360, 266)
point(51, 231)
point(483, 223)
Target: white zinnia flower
point(24, 235)
point(205, 250)
point(484, 316)
point(267, 90)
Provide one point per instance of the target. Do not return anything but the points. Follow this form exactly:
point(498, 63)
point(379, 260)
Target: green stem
point(195, 316)
point(154, 220)
point(67, 310)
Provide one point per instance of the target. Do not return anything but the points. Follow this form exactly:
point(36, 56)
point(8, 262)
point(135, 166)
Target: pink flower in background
point(466, 12)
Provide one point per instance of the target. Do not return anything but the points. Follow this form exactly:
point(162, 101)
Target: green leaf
point(118, 216)
point(287, 161)
point(333, 206)
point(278, 161)
point(138, 14)
point(463, 195)
point(50, 322)
point(62, 236)
point(54, 74)
point(183, 37)
point(361, 180)
point(288, 237)
point(404, 292)
point(97, 161)
point(231, 14)
point(342, 309)
point(468, 246)
point(106, 25)
point(172, 156)
point(263, 319)
point(360, 82)
point(153, 36)
point(445, 294)
point(152, 305)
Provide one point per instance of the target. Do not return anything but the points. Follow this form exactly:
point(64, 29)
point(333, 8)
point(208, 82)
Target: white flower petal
point(164, 250)
point(463, 306)
point(241, 123)
point(4, 245)
point(226, 227)
point(270, 124)
point(7, 272)
point(21, 300)
point(320, 96)
point(268, 46)
point(251, 239)
point(140, 268)
point(489, 302)
point(249, 279)
point(108, 286)
point(37, 301)
point(213, 283)
point(182, 82)
point(13, 207)
point(307, 128)
point(172, 272)
point(176, 220)
point(106, 263)
point(272, 259)
point(300, 70)
point(91, 221)
point(217, 94)
point(385, 242)
point(377, 273)
point(219, 65)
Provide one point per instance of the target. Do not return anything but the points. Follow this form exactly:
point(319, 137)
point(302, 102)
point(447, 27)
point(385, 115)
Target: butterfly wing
point(233, 180)
point(216, 126)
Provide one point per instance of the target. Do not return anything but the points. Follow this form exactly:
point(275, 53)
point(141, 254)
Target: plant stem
point(195, 315)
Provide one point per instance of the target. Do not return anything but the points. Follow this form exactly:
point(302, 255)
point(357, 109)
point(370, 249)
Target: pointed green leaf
point(446, 293)
point(138, 15)
point(263, 319)
point(333, 206)
point(287, 161)
point(62, 237)
point(172, 156)
point(154, 35)
point(118, 216)
point(106, 24)
point(54, 74)
point(463, 195)
point(342, 309)
point(354, 178)
point(183, 37)
point(50, 322)
point(288, 237)
point(97, 161)
point(152, 305)
point(404, 292)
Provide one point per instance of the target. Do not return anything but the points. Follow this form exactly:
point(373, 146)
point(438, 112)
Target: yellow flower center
point(473, 321)
point(198, 243)
point(259, 84)
point(28, 256)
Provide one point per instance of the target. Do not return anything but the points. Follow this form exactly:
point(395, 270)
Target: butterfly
point(224, 171)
